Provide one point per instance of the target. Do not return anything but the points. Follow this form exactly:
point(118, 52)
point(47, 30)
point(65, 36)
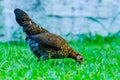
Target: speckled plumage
point(43, 43)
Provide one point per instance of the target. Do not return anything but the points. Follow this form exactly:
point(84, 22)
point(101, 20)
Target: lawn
point(101, 61)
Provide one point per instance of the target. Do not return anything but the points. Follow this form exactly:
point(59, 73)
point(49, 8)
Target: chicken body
point(43, 43)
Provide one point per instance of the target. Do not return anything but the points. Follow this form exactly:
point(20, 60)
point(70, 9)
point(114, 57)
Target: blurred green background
point(91, 28)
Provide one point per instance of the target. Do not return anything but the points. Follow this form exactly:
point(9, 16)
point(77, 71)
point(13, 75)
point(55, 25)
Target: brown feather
point(49, 39)
point(43, 43)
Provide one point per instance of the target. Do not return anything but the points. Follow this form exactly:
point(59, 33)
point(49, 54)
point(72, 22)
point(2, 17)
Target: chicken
point(43, 44)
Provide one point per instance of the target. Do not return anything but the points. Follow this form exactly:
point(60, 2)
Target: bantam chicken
point(44, 45)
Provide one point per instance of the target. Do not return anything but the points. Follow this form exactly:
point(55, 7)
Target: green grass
point(101, 61)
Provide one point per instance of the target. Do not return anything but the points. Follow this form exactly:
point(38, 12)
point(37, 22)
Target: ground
point(101, 61)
